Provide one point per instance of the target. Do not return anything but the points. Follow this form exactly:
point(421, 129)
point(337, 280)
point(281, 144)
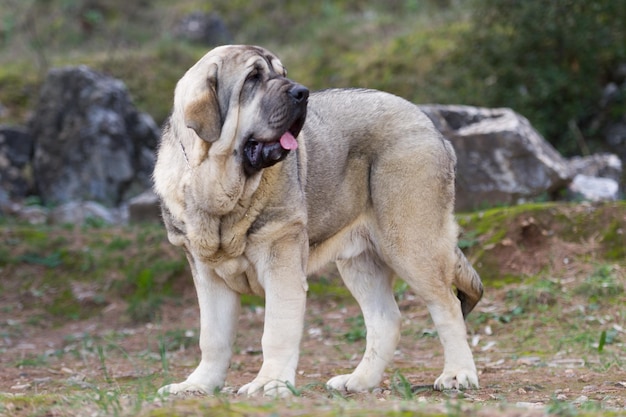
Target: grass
point(89, 264)
point(605, 282)
point(356, 330)
point(57, 277)
point(391, 45)
point(555, 318)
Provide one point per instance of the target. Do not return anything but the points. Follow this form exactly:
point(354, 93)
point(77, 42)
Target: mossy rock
point(508, 244)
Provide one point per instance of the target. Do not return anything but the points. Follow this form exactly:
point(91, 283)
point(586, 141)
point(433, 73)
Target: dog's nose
point(299, 93)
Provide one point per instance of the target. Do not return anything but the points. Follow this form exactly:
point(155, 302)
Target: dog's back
point(350, 135)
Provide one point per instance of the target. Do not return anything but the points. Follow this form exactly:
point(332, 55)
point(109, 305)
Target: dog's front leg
point(219, 313)
point(283, 276)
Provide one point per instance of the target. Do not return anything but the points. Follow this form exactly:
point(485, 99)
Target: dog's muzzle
point(259, 154)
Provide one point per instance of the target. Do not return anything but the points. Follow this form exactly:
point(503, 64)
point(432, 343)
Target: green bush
point(548, 60)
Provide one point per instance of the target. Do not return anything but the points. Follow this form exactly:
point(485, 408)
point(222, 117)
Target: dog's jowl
point(262, 183)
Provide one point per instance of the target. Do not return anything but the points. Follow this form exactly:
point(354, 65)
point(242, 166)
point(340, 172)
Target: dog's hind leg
point(371, 282)
point(417, 235)
point(430, 273)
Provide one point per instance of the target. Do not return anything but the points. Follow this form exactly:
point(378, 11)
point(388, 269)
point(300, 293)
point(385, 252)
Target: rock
point(593, 188)
point(599, 165)
point(144, 208)
point(79, 212)
point(203, 28)
point(91, 144)
point(615, 134)
point(502, 159)
point(5, 201)
point(31, 214)
point(16, 149)
point(610, 93)
point(615, 137)
point(75, 213)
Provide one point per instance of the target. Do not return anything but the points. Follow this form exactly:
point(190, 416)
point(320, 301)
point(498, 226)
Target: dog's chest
point(238, 274)
point(221, 244)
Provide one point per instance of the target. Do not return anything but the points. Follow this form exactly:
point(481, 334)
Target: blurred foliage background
point(561, 63)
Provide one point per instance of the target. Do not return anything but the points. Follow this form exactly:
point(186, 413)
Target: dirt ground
point(525, 381)
point(535, 361)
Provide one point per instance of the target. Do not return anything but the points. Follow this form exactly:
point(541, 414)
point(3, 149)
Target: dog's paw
point(461, 379)
point(350, 383)
point(272, 388)
point(186, 388)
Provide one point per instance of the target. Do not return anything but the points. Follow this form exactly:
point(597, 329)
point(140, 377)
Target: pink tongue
point(287, 141)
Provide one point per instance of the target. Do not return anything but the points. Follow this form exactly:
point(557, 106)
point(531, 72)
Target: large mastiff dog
point(259, 198)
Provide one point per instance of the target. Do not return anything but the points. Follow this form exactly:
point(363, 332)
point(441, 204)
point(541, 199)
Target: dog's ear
point(203, 114)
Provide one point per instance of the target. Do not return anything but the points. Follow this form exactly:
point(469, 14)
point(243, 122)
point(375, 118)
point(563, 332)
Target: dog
point(262, 183)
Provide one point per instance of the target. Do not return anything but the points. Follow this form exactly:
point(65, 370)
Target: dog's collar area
point(182, 148)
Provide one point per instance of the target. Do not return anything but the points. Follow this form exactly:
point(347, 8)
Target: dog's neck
point(182, 148)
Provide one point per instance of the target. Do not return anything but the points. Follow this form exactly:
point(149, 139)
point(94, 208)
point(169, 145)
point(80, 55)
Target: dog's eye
point(254, 76)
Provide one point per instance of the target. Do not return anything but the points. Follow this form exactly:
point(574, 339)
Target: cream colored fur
point(370, 187)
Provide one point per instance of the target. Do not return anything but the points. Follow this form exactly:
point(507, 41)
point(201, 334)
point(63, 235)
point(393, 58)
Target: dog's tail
point(468, 284)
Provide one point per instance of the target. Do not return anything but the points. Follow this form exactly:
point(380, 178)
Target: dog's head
point(237, 98)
